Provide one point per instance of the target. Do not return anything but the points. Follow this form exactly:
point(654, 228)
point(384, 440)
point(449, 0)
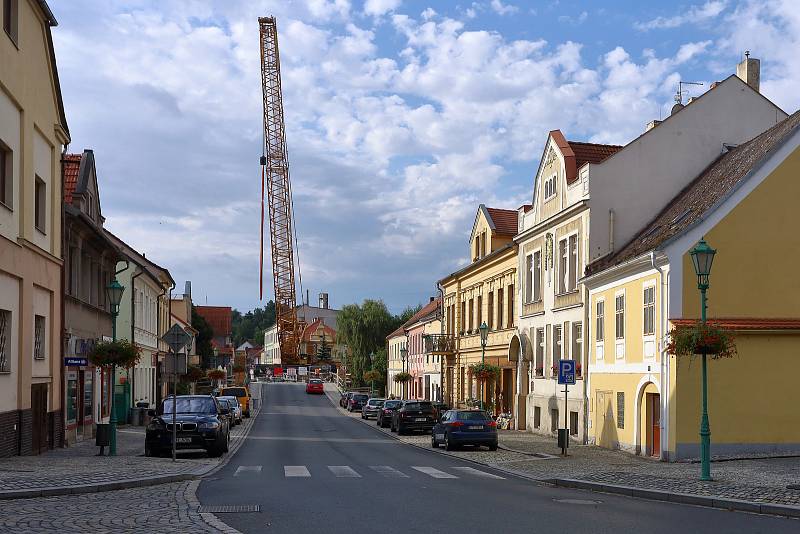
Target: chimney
point(749, 71)
point(652, 124)
point(187, 290)
point(431, 300)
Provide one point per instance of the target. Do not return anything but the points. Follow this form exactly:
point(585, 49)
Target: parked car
point(465, 427)
point(413, 415)
point(344, 398)
point(225, 403)
point(315, 386)
point(371, 408)
point(241, 393)
point(384, 417)
point(200, 421)
point(236, 409)
point(440, 408)
point(357, 401)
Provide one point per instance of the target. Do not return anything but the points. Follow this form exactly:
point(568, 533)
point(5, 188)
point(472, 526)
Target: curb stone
point(680, 498)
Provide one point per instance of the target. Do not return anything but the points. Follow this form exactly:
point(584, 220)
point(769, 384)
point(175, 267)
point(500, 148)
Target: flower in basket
point(216, 374)
point(121, 353)
point(484, 372)
point(701, 338)
point(402, 377)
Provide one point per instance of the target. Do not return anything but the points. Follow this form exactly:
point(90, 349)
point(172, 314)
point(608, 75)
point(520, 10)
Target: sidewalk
point(756, 485)
point(77, 469)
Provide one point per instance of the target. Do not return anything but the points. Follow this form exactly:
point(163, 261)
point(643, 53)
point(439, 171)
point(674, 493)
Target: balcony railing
point(440, 344)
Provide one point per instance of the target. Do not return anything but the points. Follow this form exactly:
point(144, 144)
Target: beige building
point(33, 133)
point(395, 363)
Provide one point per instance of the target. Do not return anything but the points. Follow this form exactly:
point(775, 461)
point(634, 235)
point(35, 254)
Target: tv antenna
point(679, 94)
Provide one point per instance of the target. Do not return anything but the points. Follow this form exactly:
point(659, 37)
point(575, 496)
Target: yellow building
point(646, 401)
point(485, 290)
point(33, 134)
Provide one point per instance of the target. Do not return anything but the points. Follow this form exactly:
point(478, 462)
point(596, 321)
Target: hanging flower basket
point(484, 372)
point(121, 353)
point(216, 374)
point(701, 338)
point(402, 377)
point(372, 376)
point(193, 374)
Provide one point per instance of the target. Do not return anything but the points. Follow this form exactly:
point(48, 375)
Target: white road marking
point(388, 472)
point(435, 473)
point(478, 473)
point(296, 471)
point(247, 469)
point(343, 471)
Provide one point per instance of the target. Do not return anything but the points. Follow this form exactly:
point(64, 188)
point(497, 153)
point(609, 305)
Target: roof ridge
point(592, 144)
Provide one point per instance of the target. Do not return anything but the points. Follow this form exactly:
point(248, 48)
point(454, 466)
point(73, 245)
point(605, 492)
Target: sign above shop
point(71, 361)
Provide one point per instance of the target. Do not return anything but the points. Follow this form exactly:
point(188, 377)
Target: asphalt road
point(313, 470)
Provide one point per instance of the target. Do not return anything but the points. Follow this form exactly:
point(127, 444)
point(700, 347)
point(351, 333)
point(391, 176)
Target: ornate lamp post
point(403, 357)
point(484, 329)
point(114, 292)
point(216, 353)
point(702, 258)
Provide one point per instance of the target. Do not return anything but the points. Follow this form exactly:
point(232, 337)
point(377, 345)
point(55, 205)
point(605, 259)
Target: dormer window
point(550, 188)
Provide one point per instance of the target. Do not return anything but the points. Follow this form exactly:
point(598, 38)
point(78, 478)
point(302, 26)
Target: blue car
point(465, 427)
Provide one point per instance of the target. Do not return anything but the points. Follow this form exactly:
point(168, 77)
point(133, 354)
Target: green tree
point(204, 336)
point(251, 325)
point(323, 350)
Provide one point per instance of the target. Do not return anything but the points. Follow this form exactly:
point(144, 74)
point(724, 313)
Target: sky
point(402, 117)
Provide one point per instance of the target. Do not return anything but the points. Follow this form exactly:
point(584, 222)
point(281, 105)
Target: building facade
point(484, 291)
point(425, 368)
point(271, 353)
point(90, 260)
point(33, 134)
point(395, 363)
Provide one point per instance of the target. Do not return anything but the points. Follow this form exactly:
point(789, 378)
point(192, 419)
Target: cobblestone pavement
point(762, 480)
point(167, 508)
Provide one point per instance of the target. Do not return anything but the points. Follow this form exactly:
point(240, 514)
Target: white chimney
point(749, 71)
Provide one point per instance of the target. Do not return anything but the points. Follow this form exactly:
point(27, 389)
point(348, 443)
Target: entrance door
point(39, 418)
point(654, 420)
point(508, 389)
point(81, 392)
point(605, 420)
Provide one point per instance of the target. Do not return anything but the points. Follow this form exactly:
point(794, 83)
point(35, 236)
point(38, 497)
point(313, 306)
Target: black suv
point(414, 415)
point(384, 417)
point(201, 422)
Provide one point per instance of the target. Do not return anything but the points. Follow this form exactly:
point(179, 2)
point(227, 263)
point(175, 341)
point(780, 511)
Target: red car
point(314, 386)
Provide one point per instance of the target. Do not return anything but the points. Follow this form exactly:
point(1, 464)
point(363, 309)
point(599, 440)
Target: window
point(577, 346)
point(562, 266)
point(572, 280)
point(480, 311)
point(477, 248)
point(557, 330)
point(573, 423)
point(471, 314)
point(553, 419)
point(619, 324)
point(500, 309)
point(40, 205)
point(540, 352)
point(568, 264)
point(5, 341)
point(11, 19)
point(463, 316)
point(600, 306)
point(550, 187)
point(537, 417)
point(528, 278)
point(510, 305)
point(620, 409)
point(649, 310)
point(490, 310)
point(6, 175)
point(483, 244)
point(38, 337)
point(537, 276)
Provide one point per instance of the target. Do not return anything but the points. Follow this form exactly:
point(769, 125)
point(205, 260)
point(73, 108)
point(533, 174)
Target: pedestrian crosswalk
point(385, 471)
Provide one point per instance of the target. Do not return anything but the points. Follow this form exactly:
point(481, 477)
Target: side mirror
point(442, 419)
point(151, 413)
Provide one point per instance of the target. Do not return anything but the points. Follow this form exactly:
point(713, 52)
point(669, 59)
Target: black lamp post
point(114, 292)
point(484, 329)
point(403, 357)
point(702, 258)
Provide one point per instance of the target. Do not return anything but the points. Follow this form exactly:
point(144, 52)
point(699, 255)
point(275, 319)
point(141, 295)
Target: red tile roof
point(746, 323)
point(218, 318)
point(591, 152)
point(72, 164)
point(505, 221)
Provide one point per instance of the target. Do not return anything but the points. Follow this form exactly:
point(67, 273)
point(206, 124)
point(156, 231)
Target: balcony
point(440, 344)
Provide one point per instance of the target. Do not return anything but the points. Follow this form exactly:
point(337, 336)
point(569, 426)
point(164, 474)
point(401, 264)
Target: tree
point(252, 325)
point(323, 349)
point(204, 336)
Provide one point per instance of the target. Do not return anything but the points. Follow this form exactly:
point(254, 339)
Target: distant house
point(220, 319)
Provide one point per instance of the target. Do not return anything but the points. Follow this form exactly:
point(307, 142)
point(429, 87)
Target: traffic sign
point(302, 371)
point(72, 361)
point(176, 337)
point(566, 371)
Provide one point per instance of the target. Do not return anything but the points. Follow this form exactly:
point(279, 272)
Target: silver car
point(236, 408)
point(371, 408)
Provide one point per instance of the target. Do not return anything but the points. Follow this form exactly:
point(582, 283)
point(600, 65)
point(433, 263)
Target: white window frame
point(599, 344)
point(558, 344)
point(539, 335)
point(6, 326)
point(529, 278)
point(539, 278)
point(550, 188)
point(619, 341)
point(39, 337)
point(649, 340)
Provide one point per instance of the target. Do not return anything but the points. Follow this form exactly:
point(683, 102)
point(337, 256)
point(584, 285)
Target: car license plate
point(421, 419)
point(475, 427)
point(183, 440)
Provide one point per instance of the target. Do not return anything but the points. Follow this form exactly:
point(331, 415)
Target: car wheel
point(400, 430)
point(434, 443)
point(493, 447)
point(148, 451)
point(227, 445)
point(448, 445)
point(247, 413)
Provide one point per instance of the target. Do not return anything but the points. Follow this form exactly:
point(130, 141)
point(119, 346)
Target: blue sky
point(402, 117)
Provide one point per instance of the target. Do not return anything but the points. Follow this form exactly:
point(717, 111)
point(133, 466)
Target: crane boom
point(275, 182)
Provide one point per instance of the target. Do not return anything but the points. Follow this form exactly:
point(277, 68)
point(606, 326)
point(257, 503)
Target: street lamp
point(372, 382)
point(484, 329)
point(216, 353)
point(702, 258)
point(114, 292)
point(403, 356)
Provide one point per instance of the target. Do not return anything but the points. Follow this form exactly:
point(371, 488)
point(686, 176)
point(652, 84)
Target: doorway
point(653, 447)
point(508, 389)
point(606, 434)
point(38, 418)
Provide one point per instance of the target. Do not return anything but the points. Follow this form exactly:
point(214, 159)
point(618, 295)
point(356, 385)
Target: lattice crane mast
point(275, 185)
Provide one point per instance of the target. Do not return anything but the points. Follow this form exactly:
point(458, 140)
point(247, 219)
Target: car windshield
point(234, 392)
point(375, 402)
point(473, 416)
point(191, 405)
point(315, 381)
point(418, 406)
point(392, 404)
point(233, 401)
point(360, 397)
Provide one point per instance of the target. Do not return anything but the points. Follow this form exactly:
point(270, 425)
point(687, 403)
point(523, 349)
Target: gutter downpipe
point(585, 357)
point(133, 322)
point(664, 358)
point(63, 437)
point(441, 331)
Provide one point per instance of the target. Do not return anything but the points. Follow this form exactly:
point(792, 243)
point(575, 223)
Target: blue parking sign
point(566, 371)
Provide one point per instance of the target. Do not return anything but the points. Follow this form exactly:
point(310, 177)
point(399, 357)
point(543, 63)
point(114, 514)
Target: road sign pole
point(566, 427)
point(174, 404)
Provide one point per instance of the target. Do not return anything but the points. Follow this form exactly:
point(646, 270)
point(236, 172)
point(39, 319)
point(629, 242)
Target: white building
point(271, 353)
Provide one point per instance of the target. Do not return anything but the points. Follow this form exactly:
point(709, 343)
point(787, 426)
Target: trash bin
point(102, 437)
point(136, 416)
point(563, 438)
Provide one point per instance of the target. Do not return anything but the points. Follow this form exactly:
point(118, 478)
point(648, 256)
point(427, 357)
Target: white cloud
point(377, 8)
point(503, 9)
point(694, 15)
